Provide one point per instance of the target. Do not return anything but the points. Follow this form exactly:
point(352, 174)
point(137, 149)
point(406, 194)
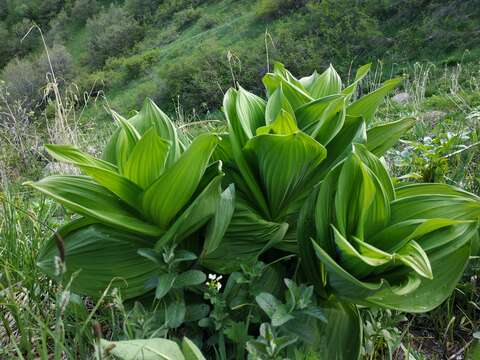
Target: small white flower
point(212, 276)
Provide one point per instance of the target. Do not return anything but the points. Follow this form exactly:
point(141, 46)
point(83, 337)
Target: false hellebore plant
point(310, 185)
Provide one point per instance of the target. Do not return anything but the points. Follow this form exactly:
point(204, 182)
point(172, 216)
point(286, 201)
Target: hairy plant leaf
point(148, 349)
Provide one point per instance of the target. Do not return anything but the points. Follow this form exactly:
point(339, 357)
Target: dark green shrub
point(187, 17)
point(111, 33)
point(208, 21)
point(82, 10)
point(271, 9)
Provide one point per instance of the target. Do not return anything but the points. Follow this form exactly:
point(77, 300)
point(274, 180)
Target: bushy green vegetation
point(266, 233)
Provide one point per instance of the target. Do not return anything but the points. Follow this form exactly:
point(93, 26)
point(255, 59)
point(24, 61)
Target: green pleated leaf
point(285, 162)
point(352, 260)
point(104, 255)
point(127, 139)
point(433, 189)
point(310, 115)
point(147, 159)
point(247, 181)
point(353, 131)
point(413, 256)
point(368, 104)
point(341, 336)
point(218, 226)
point(342, 282)
point(172, 190)
point(382, 137)
point(196, 215)
point(149, 349)
point(327, 83)
point(247, 237)
point(151, 116)
point(362, 71)
point(430, 206)
point(190, 350)
point(70, 154)
point(101, 171)
point(84, 196)
point(284, 124)
point(295, 94)
point(250, 111)
point(378, 168)
point(304, 232)
point(447, 269)
point(275, 104)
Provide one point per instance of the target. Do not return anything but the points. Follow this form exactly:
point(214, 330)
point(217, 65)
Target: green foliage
point(110, 33)
point(309, 187)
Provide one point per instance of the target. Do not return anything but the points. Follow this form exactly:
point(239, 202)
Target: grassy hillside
point(181, 48)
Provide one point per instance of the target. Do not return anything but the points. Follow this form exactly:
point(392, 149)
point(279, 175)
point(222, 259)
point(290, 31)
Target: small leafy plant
point(292, 207)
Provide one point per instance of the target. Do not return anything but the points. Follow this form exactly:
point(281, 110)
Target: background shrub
point(111, 33)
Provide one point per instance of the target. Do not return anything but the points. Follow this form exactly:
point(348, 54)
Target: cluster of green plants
point(262, 240)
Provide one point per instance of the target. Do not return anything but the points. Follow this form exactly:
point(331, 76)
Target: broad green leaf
point(285, 162)
point(190, 350)
point(250, 111)
point(104, 255)
point(70, 154)
point(152, 116)
point(340, 337)
point(127, 140)
point(198, 213)
point(344, 284)
point(172, 190)
point(82, 195)
point(164, 285)
point(101, 171)
point(430, 206)
point(327, 83)
point(433, 189)
point(447, 269)
point(368, 104)
point(362, 71)
point(189, 278)
point(147, 159)
point(218, 226)
point(378, 168)
point(284, 124)
point(353, 131)
point(294, 93)
point(358, 264)
point(247, 237)
point(275, 104)
point(238, 140)
point(309, 116)
point(149, 349)
point(268, 303)
point(413, 256)
point(382, 137)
